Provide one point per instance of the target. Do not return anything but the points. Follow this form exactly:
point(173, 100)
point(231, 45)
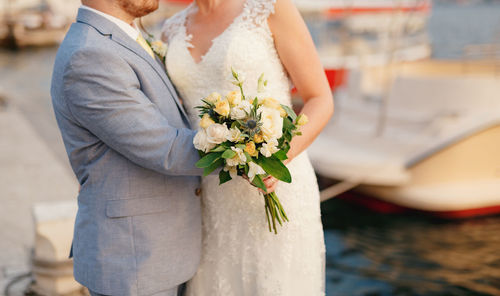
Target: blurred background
point(409, 165)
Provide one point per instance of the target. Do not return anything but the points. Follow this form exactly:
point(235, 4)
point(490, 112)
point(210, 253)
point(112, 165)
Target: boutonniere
point(159, 47)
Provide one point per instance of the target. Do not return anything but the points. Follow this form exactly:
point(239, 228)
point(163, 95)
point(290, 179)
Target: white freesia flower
point(241, 110)
point(237, 81)
point(235, 135)
point(238, 159)
point(302, 120)
point(232, 171)
point(253, 170)
point(217, 133)
point(272, 123)
point(269, 148)
point(201, 142)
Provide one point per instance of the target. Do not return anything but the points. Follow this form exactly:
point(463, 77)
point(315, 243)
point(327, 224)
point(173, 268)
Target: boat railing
point(489, 53)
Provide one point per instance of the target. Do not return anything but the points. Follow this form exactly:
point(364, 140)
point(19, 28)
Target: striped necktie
point(145, 45)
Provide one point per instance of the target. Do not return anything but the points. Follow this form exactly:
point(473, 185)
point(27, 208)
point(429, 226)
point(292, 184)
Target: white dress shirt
point(129, 29)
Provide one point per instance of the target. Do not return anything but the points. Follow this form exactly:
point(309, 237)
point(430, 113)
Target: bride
point(240, 256)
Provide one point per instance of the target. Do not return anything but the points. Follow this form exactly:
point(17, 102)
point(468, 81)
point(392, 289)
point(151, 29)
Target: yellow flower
point(302, 120)
point(213, 97)
point(222, 107)
point(271, 103)
point(274, 104)
point(250, 149)
point(206, 121)
point(234, 98)
point(258, 138)
point(283, 113)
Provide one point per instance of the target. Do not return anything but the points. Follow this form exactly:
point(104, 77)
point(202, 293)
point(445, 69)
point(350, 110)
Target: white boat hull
point(464, 177)
point(439, 150)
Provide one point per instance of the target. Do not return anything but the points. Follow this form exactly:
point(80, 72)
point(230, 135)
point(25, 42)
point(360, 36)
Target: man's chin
point(149, 7)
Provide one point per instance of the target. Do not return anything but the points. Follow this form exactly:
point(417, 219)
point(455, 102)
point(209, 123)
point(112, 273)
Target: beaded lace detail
point(240, 256)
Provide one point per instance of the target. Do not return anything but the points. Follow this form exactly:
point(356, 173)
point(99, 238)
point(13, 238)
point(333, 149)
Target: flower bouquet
point(248, 136)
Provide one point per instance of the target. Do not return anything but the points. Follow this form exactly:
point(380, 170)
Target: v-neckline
point(189, 37)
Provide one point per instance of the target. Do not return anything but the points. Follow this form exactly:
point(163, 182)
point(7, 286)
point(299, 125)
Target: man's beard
point(139, 8)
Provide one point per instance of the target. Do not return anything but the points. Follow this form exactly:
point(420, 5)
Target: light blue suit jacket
point(138, 227)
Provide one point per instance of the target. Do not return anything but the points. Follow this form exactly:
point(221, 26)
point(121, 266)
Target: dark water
point(375, 254)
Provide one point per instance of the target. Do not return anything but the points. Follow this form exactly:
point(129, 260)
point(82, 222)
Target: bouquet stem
point(274, 211)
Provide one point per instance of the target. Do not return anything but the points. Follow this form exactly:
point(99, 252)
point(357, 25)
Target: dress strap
point(258, 11)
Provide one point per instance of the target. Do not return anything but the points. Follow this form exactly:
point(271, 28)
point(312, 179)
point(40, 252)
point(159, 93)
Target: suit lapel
point(108, 28)
point(135, 47)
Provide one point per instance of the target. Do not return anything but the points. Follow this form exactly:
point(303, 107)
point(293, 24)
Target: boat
point(436, 152)
point(411, 133)
point(33, 23)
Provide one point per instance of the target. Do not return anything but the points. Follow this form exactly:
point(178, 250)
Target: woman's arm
point(298, 54)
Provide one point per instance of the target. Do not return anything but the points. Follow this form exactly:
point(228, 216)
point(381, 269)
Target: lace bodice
point(240, 256)
point(247, 45)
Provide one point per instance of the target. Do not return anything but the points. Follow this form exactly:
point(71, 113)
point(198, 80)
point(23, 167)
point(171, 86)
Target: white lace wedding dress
point(240, 256)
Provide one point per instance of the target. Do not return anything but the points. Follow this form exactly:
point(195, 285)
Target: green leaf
point(290, 112)
point(274, 167)
point(257, 181)
point(288, 124)
point(241, 146)
point(248, 156)
point(201, 154)
point(228, 154)
point(255, 104)
point(224, 177)
point(281, 155)
point(217, 164)
point(219, 149)
point(208, 159)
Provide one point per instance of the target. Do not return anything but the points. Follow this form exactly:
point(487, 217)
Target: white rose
point(201, 142)
point(238, 159)
point(253, 170)
point(241, 110)
point(272, 123)
point(217, 133)
point(235, 135)
point(269, 148)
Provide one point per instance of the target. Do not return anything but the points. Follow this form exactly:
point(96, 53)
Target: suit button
point(197, 192)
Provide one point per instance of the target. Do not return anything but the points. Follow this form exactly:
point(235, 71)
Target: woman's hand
point(270, 182)
point(298, 54)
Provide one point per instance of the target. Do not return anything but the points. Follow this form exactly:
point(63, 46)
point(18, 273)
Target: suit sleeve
point(105, 97)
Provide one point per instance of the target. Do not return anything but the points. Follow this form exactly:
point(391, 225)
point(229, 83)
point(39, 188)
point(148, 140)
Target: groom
point(138, 228)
